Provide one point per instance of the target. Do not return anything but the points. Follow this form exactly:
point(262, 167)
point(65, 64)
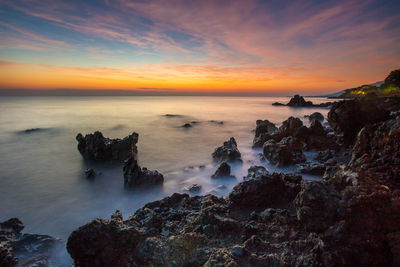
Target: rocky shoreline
point(349, 218)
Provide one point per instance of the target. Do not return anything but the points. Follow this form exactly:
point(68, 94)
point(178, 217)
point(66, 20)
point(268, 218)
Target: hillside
point(390, 86)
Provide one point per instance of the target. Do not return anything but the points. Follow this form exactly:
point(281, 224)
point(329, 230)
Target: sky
point(172, 46)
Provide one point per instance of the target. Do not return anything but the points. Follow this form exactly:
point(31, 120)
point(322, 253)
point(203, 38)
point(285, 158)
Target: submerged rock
point(90, 173)
point(187, 125)
point(193, 188)
point(135, 176)
point(25, 249)
point(223, 170)
point(227, 152)
point(98, 148)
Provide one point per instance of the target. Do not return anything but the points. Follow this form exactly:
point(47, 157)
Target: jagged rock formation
point(98, 148)
point(227, 152)
point(17, 249)
point(223, 170)
point(135, 176)
point(298, 101)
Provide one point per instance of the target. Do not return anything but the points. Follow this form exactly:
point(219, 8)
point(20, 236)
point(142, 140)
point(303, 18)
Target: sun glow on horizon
point(199, 47)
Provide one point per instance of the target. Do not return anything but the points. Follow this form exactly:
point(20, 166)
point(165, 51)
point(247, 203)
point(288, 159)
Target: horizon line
point(126, 92)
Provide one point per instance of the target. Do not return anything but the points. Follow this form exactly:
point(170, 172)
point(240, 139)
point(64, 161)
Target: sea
point(42, 174)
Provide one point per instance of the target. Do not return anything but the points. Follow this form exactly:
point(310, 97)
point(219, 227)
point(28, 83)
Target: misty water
point(42, 180)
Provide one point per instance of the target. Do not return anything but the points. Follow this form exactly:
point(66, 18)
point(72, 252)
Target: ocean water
point(42, 178)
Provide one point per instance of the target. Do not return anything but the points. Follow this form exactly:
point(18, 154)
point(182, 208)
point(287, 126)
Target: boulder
point(223, 170)
point(264, 126)
point(289, 127)
point(298, 101)
point(255, 171)
point(266, 191)
point(227, 152)
point(98, 148)
point(25, 249)
point(286, 152)
point(265, 130)
point(348, 117)
point(104, 243)
point(135, 176)
point(315, 116)
point(317, 205)
point(313, 168)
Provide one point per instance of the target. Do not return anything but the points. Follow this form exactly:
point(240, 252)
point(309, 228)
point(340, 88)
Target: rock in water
point(298, 101)
point(227, 152)
point(25, 249)
point(255, 171)
point(90, 173)
point(224, 170)
point(264, 131)
point(135, 176)
point(316, 116)
point(98, 148)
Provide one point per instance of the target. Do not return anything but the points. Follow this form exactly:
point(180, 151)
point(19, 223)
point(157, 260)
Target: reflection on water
point(42, 177)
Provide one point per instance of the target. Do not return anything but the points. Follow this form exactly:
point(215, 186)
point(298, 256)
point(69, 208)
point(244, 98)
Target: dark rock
point(90, 173)
point(298, 101)
point(7, 258)
point(173, 116)
point(32, 130)
point(264, 126)
point(284, 153)
point(25, 249)
point(278, 104)
point(227, 152)
point(259, 141)
point(223, 170)
point(266, 190)
point(187, 125)
point(325, 155)
point(347, 117)
point(135, 176)
point(263, 132)
point(12, 225)
point(317, 205)
point(255, 171)
point(315, 116)
point(313, 168)
point(193, 188)
point(217, 122)
point(289, 127)
point(104, 243)
point(97, 147)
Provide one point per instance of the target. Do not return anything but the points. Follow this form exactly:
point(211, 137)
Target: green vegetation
point(390, 87)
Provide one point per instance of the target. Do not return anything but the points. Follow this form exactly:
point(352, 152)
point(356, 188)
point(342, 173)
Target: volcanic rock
point(227, 152)
point(135, 176)
point(98, 148)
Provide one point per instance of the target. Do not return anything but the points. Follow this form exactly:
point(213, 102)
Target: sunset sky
point(271, 47)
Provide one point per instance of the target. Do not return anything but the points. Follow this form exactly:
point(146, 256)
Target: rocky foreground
point(350, 218)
